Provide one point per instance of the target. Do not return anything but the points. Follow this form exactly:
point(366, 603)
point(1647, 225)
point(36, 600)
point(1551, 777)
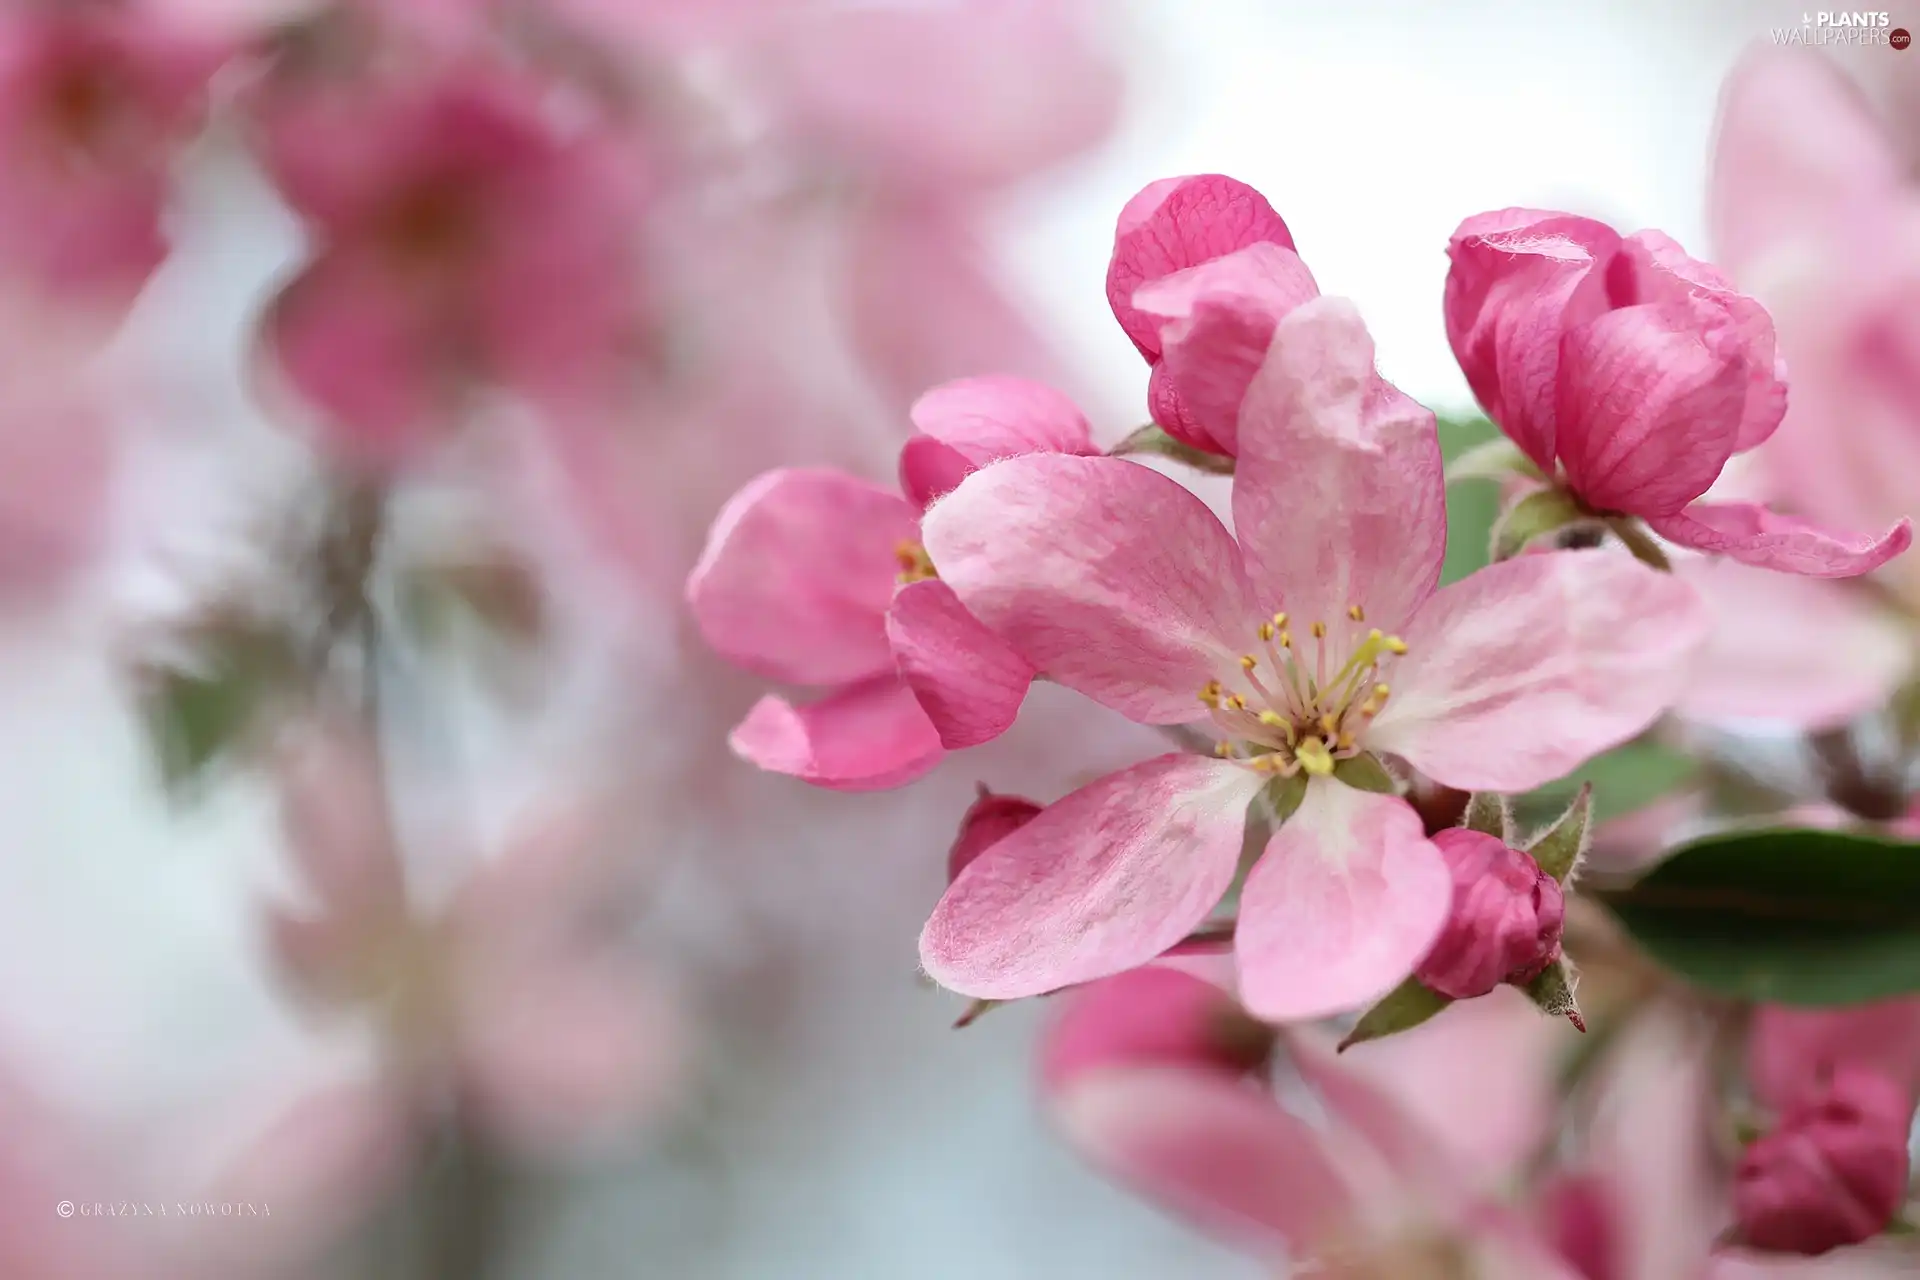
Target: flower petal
point(969, 682)
point(1520, 672)
point(1519, 278)
point(982, 420)
point(1810, 653)
point(1101, 881)
point(866, 738)
point(1224, 1156)
point(1347, 898)
point(1650, 405)
point(1339, 497)
point(798, 574)
point(1107, 576)
point(1177, 223)
point(1751, 534)
point(1218, 321)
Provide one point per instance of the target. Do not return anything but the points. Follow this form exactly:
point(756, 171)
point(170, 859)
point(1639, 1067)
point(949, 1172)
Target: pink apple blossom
point(989, 820)
point(467, 234)
point(1790, 1052)
point(512, 1000)
point(1506, 919)
point(1316, 639)
point(814, 577)
point(1632, 373)
point(97, 102)
point(1168, 236)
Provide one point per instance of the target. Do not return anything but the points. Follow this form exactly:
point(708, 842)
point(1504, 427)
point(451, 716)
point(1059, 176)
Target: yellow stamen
point(1266, 631)
point(1279, 620)
point(1248, 662)
point(1357, 613)
point(1273, 720)
point(1286, 639)
point(1237, 702)
point(1328, 723)
point(915, 564)
point(1396, 645)
point(1210, 694)
point(1314, 757)
point(1319, 631)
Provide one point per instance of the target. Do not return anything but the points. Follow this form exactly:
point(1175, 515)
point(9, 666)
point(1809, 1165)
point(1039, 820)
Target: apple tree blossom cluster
point(1639, 753)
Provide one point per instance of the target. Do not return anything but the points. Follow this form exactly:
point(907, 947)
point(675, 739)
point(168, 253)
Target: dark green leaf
point(1471, 508)
point(1625, 780)
point(1787, 916)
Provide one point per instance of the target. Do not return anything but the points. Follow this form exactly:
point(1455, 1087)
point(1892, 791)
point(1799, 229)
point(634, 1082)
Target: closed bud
point(991, 819)
point(1155, 1016)
point(1834, 1172)
point(1506, 919)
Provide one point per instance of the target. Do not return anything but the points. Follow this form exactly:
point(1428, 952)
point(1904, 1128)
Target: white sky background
point(884, 1146)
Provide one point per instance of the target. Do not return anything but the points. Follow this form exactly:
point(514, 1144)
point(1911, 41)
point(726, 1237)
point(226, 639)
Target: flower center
point(1298, 711)
point(915, 564)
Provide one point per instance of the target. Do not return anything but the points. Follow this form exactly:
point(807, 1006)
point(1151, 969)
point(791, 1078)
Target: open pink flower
point(815, 577)
point(466, 235)
point(1314, 640)
point(516, 999)
point(1633, 372)
point(1149, 1076)
point(1168, 237)
point(97, 101)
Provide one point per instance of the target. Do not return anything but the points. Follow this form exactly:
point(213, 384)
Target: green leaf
point(1471, 508)
point(1813, 918)
point(1534, 516)
point(1559, 848)
point(1402, 1009)
point(1490, 815)
point(1151, 439)
point(1625, 780)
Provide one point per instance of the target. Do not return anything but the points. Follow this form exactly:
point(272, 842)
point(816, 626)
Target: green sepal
point(1490, 814)
point(1495, 459)
point(1363, 772)
point(1402, 1009)
point(1152, 439)
point(1560, 849)
point(1553, 992)
point(1540, 513)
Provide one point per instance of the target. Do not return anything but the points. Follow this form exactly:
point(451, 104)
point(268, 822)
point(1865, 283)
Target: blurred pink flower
point(1635, 372)
point(467, 234)
point(1505, 923)
point(97, 101)
point(516, 1000)
point(1166, 1106)
point(57, 455)
point(1834, 1171)
point(1119, 583)
point(1792, 1052)
point(814, 577)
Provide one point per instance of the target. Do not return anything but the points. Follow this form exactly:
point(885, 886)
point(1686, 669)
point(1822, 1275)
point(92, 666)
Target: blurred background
point(831, 1123)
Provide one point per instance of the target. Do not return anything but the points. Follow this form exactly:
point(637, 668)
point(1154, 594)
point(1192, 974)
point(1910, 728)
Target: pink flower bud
point(1506, 919)
point(1152, 1017)
point(1834, 1173)
point(991, 819)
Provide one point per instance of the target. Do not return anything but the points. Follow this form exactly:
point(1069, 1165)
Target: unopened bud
point(1833, 1174)
point(1506, 919)
point(991, 819)
point(1155, 1016)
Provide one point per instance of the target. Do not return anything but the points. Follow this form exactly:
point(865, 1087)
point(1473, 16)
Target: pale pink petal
point(57, 457)
point(1219, 319)
point(1796, 147)
point(966, 424)
point(334, 810)
point(1108, 577)
point(1100, 882)
point(1751, 534)
point(1177, 223)
point(1519, 279)
point(1219, 1153)
point(1788, 648)
point(1152, 1016)
point(1650, 405)
point(1520, 672)
point(968, 681)
point(868, 737)
point(1791, 1053)
point(798, 573)
point(1339, 497)
point(1652, 267)
point(1347, 898)
point(564, 1054)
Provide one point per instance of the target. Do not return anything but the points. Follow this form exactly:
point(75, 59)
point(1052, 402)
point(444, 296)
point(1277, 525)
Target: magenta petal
point(798, 573)
point(867, 738)
point(1177, 223)
point(1100, 882)
point(1219, 319)
point(1108, 577)
point(1517, 674)
point(1339, 497)
point(931, 469)
point(1650, 404)
point(1518, 279)
point(1751, 534)
point(969, 682)
point(966, 424)
point(1347, 898)
point(1224, 1156)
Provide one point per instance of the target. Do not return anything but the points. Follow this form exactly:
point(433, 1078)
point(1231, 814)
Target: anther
point(1237, 702)
point(1319, 631)
point(1248, 662)
point(1286, 639)
point(1396, 645)
point(1279, 619)
point(1357, 613)
point(1273, 720)
point(1266, 631)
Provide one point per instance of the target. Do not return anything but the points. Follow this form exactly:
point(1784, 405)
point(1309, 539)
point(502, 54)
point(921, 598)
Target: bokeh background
point(837, 1126)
